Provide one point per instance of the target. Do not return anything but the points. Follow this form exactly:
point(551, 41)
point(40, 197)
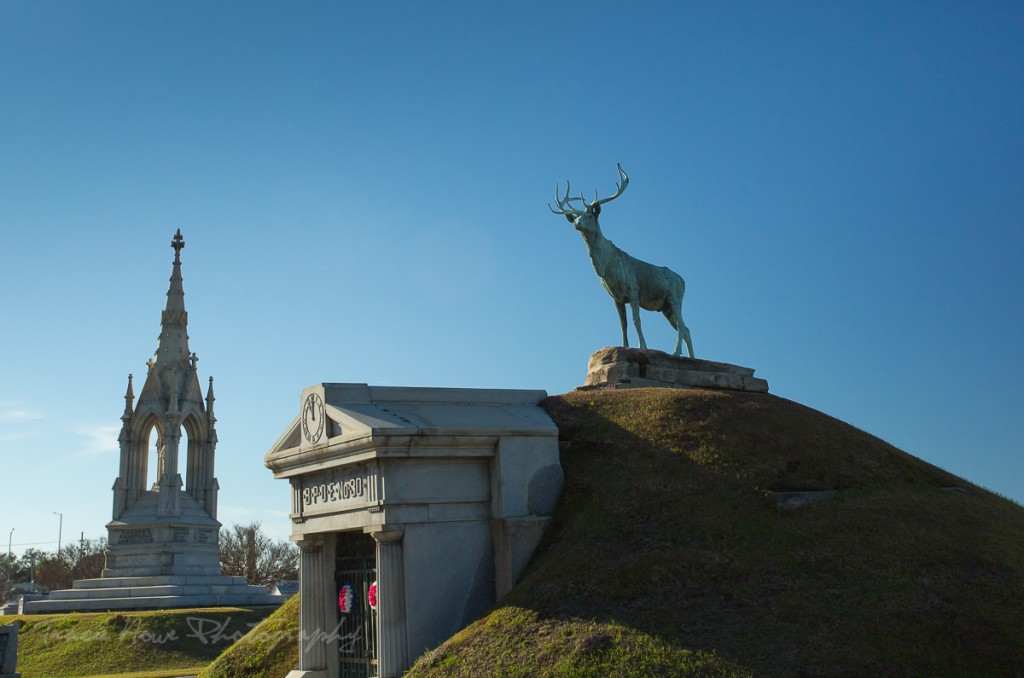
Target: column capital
point(383, 534)
point(310, 541)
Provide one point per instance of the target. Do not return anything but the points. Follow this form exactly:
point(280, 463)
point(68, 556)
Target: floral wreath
point(345, 598)
point(371, 596)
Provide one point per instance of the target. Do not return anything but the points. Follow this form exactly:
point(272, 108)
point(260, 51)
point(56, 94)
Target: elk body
point(627, 279)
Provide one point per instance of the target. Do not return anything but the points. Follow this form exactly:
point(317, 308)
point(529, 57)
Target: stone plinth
point(617, 367)
point(148, 593)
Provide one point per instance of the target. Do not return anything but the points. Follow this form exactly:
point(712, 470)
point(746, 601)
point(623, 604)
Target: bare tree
point(81, 560)
point(6, 576)
point(53, 574)
point(247, 552)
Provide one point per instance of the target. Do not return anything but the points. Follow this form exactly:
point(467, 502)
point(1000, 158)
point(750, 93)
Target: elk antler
point(563, 203)
point(619, 185)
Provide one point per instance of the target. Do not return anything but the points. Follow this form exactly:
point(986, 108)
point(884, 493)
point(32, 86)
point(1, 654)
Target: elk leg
point(675, 318)
point(670, 315)
point(621, 307)
point(636, 321)
point(686, 338)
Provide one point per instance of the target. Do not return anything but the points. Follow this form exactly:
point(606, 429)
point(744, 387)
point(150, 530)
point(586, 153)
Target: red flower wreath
point(371, 596)
point(345, 598)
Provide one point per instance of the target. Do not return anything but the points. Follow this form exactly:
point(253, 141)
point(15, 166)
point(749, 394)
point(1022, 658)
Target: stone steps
point(156, 592)
point(151, 602)
point(160, 580)
point(134, 593)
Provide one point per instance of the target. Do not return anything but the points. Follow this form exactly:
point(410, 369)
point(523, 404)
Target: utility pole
point(60, 530)
point(9, 538)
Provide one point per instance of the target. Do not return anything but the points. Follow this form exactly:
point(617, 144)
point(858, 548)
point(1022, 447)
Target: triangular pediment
point(288, 440)
point(339, 423)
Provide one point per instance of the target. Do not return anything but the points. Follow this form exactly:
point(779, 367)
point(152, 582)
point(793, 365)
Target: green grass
point(159, 673)
point(148, 644)
point(270, 650)
point(667, 556)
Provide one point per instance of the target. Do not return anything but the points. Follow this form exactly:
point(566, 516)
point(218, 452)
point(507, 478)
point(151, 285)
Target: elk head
point(585, 219)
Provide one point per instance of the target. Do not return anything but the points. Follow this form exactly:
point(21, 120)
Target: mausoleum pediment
point(338, 421)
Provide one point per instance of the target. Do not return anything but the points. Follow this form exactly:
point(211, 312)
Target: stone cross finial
point(178, 243)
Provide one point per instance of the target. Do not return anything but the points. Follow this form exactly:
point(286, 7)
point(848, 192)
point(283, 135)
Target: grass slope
point(152, 643)
point(667, 555)
point(270, 650)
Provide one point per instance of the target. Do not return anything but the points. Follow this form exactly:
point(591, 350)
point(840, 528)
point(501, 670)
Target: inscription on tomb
point(337, 490)
point(138, 536)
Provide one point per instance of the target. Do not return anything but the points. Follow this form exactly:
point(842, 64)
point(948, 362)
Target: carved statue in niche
point(627, 279)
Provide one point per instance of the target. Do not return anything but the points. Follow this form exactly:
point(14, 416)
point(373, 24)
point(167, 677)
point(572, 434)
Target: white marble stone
point(162, 549)
point(455, 485)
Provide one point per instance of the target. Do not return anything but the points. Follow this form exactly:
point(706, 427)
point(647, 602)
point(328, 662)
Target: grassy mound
point(270, 650)
point(158, 643)
point(668, 554)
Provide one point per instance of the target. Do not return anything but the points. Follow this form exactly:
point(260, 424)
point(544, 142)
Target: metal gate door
point(357, 625)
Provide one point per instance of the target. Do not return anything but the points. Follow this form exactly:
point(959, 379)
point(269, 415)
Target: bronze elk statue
point(627, 279)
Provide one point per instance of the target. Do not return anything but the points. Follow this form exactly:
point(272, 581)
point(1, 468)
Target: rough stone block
point(618, 367)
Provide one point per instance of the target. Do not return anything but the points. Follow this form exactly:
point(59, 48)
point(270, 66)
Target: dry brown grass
point(667, 534)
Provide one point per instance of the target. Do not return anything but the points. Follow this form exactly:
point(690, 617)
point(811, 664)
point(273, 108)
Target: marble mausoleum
point(415, 509)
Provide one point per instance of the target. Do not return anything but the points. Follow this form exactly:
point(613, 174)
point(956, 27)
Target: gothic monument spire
point(172, 346)
point(173, 484)
point(162, 549)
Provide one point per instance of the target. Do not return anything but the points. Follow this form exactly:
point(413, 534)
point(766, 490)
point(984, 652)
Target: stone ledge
point(134, 602)
point(134, 593)
point(618, 367)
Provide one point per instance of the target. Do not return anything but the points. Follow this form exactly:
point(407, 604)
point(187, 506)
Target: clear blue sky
point(362, 188)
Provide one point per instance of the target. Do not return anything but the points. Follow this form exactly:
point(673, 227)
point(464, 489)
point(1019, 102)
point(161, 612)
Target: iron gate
point(357, 626)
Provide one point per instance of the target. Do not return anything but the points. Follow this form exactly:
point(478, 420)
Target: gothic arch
point(197, 457)
point(138, 476)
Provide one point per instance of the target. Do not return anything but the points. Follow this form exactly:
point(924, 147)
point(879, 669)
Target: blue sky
point(362, 188)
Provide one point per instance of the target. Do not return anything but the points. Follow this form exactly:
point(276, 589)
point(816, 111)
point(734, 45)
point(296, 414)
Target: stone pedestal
point(153, 593)
point(617, 367)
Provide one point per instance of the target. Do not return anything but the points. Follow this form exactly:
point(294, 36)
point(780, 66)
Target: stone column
point(168, 478)
point(312, 583)
point(392, 646)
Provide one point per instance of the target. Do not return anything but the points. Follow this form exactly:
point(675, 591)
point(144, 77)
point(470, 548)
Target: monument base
point(618, 367)
point(160, 592)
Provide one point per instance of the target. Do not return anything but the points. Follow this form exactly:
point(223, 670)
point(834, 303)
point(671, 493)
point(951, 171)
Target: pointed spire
point(209, 403)
point(129, 398)
point(172, 346)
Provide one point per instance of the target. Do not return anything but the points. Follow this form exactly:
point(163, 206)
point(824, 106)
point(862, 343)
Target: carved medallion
point(313, 417)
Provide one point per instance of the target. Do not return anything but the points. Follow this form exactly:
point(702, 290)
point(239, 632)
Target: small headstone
point(9, 650)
